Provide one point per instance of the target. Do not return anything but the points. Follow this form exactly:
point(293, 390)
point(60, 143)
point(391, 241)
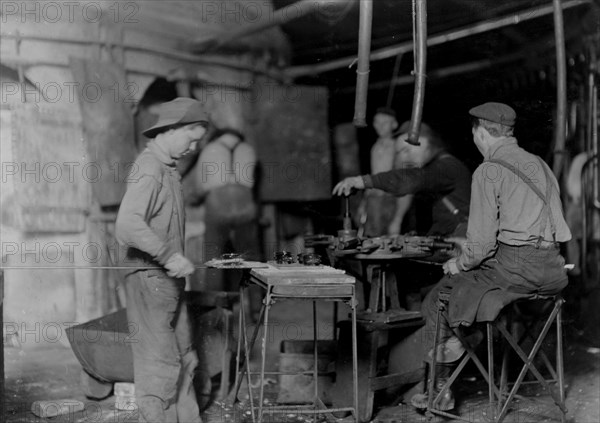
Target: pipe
point(420, 23)
point(279, 17)
point(362, 71)
point(478, 28)
point(561, 86)
point(593, 121)
point(584, 210)
point(596, 202)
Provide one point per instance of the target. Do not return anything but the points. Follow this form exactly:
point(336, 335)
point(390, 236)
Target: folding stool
point(499, 397)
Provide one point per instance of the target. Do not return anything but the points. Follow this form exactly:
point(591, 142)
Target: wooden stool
point(499, 397)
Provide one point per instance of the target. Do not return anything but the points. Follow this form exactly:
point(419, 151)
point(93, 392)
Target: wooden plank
point(313, 291)
point(388, 381)
point(105, 100)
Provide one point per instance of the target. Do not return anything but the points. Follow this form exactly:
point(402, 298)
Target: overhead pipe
point(420, 35)
point(586, 186)
point(453, 35)
point(362, 71)
point(593, 120)
point(279, 17)
point(561, 88)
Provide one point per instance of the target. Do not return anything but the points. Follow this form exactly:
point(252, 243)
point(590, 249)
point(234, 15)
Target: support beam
point(478, 28)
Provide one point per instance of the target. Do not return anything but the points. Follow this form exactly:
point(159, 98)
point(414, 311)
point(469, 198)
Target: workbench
point(295, 282)
point(381, 321)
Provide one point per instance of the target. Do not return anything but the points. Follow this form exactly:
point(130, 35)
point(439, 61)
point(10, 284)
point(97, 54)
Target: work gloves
point(179, 266)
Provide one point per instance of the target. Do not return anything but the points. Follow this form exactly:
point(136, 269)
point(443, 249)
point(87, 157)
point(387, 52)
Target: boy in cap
point(150, 225)
point(512, 246)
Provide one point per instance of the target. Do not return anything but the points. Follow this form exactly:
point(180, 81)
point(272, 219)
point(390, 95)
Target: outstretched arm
point(346, 186)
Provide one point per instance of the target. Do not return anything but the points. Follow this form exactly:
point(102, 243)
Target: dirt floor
point(49, 371)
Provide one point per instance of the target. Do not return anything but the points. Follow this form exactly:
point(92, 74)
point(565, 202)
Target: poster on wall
point(292, 138)
point(45, 176)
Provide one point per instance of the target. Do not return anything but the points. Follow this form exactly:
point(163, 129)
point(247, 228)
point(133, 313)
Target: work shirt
point(444, 182)
point(151, 220)
point(383, 154)
point(226, 160)
point(505, 209)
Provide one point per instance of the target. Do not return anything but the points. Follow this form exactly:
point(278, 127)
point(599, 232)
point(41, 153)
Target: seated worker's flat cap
point(175, 113)
point(424, 130)
point(386, 111)
point(495, 112)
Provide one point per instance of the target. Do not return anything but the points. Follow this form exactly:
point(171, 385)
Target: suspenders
point(546, 212)
point(231, 155)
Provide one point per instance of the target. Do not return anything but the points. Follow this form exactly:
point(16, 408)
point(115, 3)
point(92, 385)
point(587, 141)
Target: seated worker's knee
point(152, 409)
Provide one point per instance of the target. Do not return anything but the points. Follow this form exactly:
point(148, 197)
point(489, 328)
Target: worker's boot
point(446, 402)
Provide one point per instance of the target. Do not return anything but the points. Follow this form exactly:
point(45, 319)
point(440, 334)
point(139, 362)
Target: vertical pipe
point(420, 65)
point(362, 71)
point(591, 119)
point(596, 162)
point(561, 83)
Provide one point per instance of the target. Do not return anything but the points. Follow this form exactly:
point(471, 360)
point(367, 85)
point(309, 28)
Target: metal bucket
point(103, 347)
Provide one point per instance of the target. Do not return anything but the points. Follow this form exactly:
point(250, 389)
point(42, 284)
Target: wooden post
point(2, 397)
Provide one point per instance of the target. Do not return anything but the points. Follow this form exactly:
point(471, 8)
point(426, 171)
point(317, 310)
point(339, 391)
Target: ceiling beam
point(478, 28)
point(279, 17)
point(539, 47)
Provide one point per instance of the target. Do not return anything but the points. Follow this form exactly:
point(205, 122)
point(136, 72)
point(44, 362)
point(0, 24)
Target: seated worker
point(439, 181)
point(512, 247)
point(380, 212)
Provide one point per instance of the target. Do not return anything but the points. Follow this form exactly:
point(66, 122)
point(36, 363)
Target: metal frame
point(333, 292)
point(498, 401)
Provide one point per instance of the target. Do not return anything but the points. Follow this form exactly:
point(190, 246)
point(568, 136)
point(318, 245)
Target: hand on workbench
point(460, 245)
point(345, 187)
point(450, 267)
point(179, 266)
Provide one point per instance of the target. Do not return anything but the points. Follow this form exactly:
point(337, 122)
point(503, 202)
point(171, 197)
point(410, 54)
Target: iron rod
point(420, 66)
point(561, 86)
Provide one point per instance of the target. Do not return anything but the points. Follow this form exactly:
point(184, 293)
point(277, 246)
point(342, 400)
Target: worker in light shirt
point(511, 250)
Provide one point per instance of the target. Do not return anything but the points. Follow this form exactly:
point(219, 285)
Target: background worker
point(226, 176)
point(381, 213)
